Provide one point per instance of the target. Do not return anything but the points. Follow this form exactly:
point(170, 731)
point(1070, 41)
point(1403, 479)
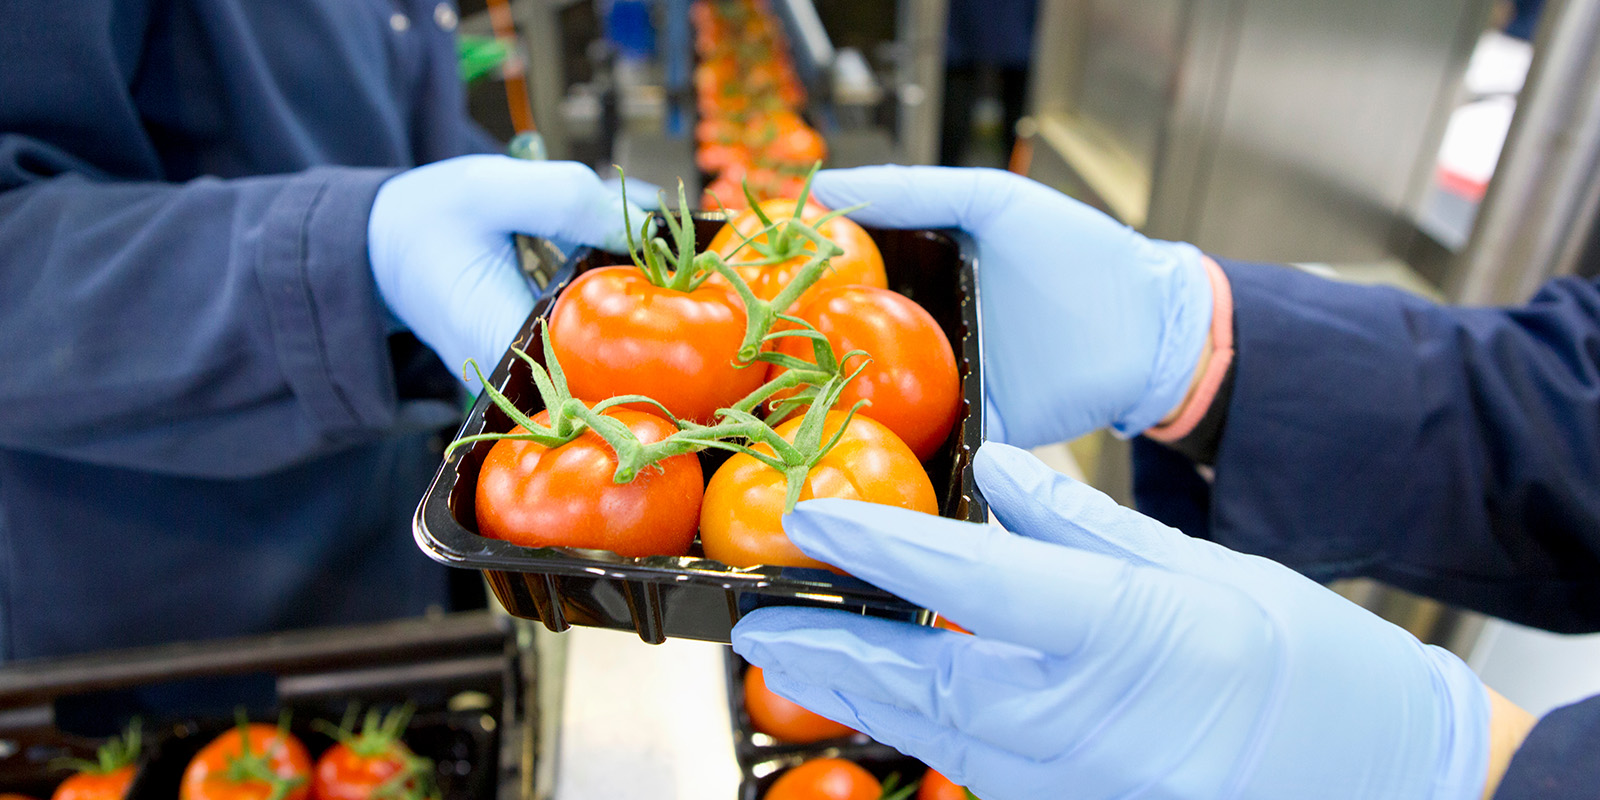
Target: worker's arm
point(1453, 452)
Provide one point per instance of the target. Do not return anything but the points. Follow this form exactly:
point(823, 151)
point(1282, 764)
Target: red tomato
point(615, 333)
point(860, 264)
point(723, 192)
point(92, 785)
point(937, 787)
point(740, 521)
point(107, 777)
point(912, 381)
point(802, 146)
point(783, 719)
point(826, 779)
point(537, 497)
point(276, 753)
point(344, 774)
point(716, 156)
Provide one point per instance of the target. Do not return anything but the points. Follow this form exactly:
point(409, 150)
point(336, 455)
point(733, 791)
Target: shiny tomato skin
point(741, 518)
point(533, 496)
point(911, 382)
point(861, 263)
point(784, 719)
point(88, 785)
point(826, 779)
point(344, 774)
point(936, 786)
point(615, 333)
point(206, 777)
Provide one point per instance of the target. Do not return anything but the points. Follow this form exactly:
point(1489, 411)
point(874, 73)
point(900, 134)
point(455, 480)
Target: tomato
point(912, 381)
point(615, 333)
point(93, 785)
point(860, 264)
point(740, 521)
point(723, 192)
point(276, 753)
point(715, 156)
point(108, 776)
point(937, 787)
point(826, 779)
point(533, 496)
point(344, 774)
point(802, 146)
point(783, 719)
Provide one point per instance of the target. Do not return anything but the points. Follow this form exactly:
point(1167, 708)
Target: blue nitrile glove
point(1086, 323)
point(439, 242)
point(1115, 658)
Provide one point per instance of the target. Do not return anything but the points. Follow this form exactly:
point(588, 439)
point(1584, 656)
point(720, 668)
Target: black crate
point(462, 672)
point(694, 597)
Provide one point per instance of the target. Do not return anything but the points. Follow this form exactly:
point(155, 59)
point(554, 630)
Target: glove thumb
point(1031, 499)
point(560, 200)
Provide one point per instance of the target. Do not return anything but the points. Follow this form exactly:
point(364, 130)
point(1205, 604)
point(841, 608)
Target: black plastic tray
point(461, 671)
point(694, 597)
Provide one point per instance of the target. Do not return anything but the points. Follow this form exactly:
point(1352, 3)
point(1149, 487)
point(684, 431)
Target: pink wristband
point(1195, 408)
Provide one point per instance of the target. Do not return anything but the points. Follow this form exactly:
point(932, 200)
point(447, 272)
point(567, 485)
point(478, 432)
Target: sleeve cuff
point(1205, 391)
point(1559, 759)
point(327, 321)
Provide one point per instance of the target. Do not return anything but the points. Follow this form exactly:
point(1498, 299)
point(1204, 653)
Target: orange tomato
point(937, 787)
point(740, 519)
point(282, 755)
point(534, 496)
point(861, 262)
point(784, 719)
point(826, 779)
point(911, 383)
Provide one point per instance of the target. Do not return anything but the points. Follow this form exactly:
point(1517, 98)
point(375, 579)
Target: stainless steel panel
point(1329, 111)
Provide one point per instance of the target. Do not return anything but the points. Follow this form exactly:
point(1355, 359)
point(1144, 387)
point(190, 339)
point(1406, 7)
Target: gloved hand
point(439, 241)
point(1115, 658)
point(1086, 323)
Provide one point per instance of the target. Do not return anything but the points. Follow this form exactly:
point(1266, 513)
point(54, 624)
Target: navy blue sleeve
point(1559, 759)
point(1452, 452)
point(176, 324)
point(213, 329)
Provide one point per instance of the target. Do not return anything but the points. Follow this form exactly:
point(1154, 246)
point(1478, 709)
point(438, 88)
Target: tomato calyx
point(119, 752)
point(380, 738)
point(570, 417)
point(248, 766)
point(676, 269)
point(793, 459)
point(892, 790)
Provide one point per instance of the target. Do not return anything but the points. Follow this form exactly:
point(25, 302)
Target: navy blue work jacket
point(201, 428)
point(1452, 452)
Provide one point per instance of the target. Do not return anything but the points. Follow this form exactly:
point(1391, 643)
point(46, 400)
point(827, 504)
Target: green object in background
point(479, 56)
point(528, 146)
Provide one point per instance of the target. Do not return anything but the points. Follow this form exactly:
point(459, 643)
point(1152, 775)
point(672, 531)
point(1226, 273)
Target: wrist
point(1509, 726)
point(1216, 356)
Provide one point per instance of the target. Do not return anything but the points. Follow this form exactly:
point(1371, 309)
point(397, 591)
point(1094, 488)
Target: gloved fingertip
point(814, 525)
